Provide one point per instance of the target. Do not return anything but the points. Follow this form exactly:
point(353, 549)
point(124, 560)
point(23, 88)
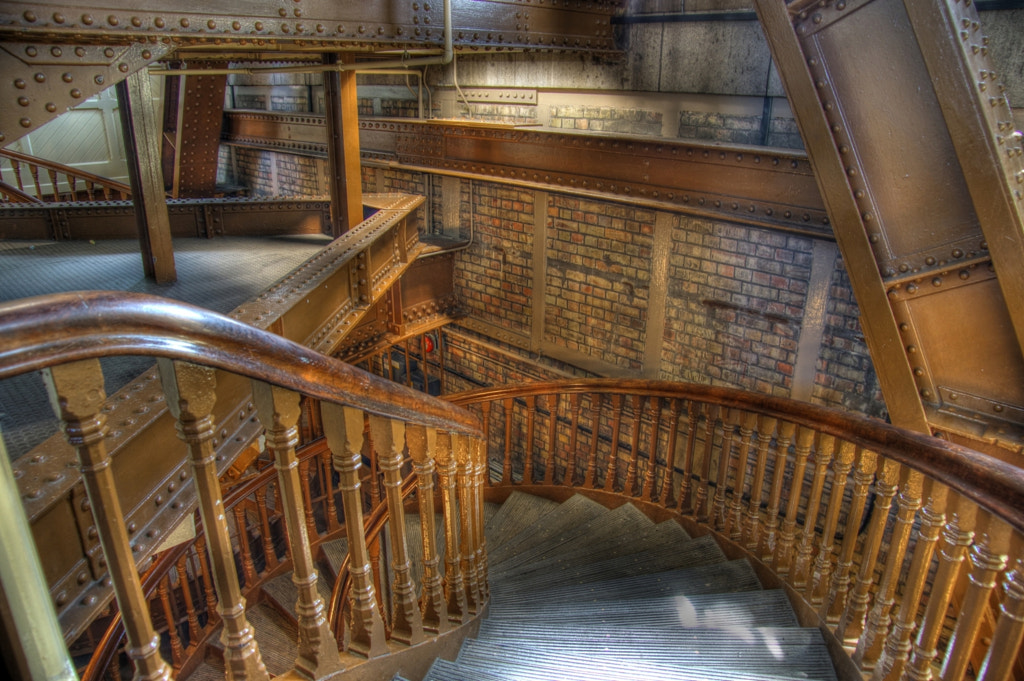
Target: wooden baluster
point(897, 647)
point(343, 428)
point(279, 505)
point(458, 608)
point(988, 558)
point(771, 521)
point(190, 397)
point(817, 590)
point(90, 190)
point(506, 468)
point(808, 533)
point(209, 588)
point(376, 494)
point(177, 651)
point(77, 395)
point(16, 167)
point(734, 519)
point(725, 459)
point(406, 621)
point(307, 499)
point(647, 491)
point(106, 192)
point(752, 524)
point(612, 467)
point(574, 431)
point(467, 520)
point(422, 447)
point(181, 567)
point(957, 537)
point(408, 367)
point(269, 554)
point(531, 417)
point(478, 449)
point(596, 404)
point(870, 645)
point(34, 171)
point(54, 193)
point(629, 486)
point(1005, 647)
point(244, 547)
point(787, 537)
point(686, 500)
point(668, 477)
point(332, 507)
point(485, 418)
point(702, 506)
point(279, 411)
point(834, 606)
point(852, 622)
point(73, 185)
point(549, 455)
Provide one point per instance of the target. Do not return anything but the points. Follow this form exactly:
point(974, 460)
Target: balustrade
point(847, 511)
point(201, 586)
point(58, 182)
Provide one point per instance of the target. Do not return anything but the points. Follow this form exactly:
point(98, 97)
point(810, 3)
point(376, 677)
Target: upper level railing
point(64, 336)
point(867, 524)
point(50, 181)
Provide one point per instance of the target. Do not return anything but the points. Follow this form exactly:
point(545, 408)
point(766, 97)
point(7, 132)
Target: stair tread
point(648, 537)
point(283, 594)
point(275, 636)
point(701, 551)
point(786, 652)
point(447, 670)
point(335, 551)
point(734, 575)
point(608, 526)
point(518, 511)
point(757, 608)
point(577, 510)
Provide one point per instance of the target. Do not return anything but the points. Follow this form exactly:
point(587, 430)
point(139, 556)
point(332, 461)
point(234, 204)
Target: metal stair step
point(797, 653)
point(519, 511)
point(734, 575)
point(577, 510)
point(335, 552)
point(650, 537)
point(610, 526)
point(282, 593)
point(722, 611)
point(701, 551)
point(275, 635)
point(447, 670)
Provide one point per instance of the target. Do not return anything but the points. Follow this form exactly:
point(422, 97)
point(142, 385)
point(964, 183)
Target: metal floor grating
point(218, 274)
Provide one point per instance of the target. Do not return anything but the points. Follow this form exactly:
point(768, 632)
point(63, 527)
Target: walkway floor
point(218, 274)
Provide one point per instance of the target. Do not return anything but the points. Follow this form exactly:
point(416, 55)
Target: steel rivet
point(76, 93)
point(113, 20)
point(25, 122)
point(51, 107)
point(23, 101)
point(185, 22)
point(87, 19)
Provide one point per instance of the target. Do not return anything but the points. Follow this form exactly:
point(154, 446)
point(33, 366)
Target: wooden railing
point(64, 336)
point(892, 541)
point(50, 181)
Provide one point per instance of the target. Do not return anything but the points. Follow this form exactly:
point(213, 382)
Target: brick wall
point(606, 119)
point(845, 375)
point(736, 298)
point(597, 282)
point(734, 129)
point(270, 173)
point(495, 274)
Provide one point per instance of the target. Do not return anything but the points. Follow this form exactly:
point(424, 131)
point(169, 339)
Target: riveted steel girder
point(908, 133)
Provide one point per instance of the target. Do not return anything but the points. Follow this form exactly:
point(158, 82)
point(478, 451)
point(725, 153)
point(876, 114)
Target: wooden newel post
point(388, 437)
point(446, 472)
point(278, 410)
point(191, 393)
point(77, 395)
point(343, 428)
point(422, 443)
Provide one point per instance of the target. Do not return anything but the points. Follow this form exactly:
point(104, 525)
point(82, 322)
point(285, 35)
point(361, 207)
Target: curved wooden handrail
point(44, 331)
point(79, 175)
point(994, 485)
